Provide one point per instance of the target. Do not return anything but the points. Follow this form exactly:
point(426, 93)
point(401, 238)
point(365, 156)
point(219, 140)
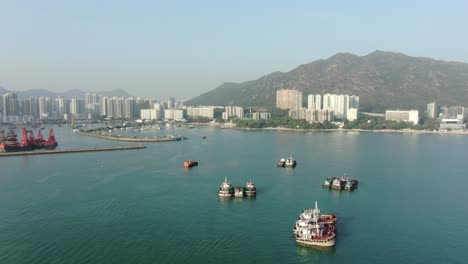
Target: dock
point(63, 151)
point(129, 139)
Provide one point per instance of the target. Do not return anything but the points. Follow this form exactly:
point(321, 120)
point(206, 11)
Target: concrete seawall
point(127, 139)
point(62, 151)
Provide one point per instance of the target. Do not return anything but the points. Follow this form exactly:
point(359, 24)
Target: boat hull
point(317, 243)
point(222, 195)
point(16, 148)
point(191, 165)
point(251, 194)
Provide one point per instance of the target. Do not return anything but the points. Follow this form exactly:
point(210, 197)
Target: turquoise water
point(141, 206)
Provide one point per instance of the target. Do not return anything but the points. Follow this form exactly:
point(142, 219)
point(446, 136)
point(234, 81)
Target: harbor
point(63, 151)
point(73, 192)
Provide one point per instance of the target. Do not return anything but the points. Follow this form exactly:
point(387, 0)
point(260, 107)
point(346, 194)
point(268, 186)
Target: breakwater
point(128, 139)
point(62, 151)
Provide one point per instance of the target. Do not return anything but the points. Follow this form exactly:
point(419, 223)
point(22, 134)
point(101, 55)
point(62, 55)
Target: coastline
point(127, 139)
point(224, 126)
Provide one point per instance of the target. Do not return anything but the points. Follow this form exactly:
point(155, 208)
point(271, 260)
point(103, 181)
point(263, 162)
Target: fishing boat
point(290, 162)
point(351, 184)
point(281, 163)
point(239, 192)
point(328, 182)
point(314, 229)
point(190, 163)
point(337, 184)
point(250, 189)
point(226, 190)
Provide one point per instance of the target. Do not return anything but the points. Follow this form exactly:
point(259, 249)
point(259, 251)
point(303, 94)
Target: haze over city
point(183, 49)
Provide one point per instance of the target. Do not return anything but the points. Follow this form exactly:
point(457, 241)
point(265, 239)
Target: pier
point(129, 139)
point(62, 151)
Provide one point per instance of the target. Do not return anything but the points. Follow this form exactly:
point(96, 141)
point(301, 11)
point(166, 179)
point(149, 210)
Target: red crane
point(27, 140)
point(51, 142)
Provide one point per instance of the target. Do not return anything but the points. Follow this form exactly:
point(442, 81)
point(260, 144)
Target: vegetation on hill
point(383, 80)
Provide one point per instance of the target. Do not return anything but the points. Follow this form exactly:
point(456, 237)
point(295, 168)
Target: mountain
point(383, 80)
point(68, 94)
point(3, 90)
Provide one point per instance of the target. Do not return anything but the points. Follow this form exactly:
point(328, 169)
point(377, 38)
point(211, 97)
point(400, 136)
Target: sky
point(158, 49)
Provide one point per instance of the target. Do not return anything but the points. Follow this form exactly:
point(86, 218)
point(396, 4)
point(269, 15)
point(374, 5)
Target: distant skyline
point(183, 49)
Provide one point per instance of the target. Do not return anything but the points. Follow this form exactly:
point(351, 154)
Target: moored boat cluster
point(226, 190)
point(289, 162)
point(343, 183)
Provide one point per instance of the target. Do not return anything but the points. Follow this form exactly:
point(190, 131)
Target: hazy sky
point(163, 48)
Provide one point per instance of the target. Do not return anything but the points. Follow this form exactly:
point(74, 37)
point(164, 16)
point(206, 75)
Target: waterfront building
point(261, 116)
point(148, 114)
point(288, 99)
point(352, 114)
point(452, 124)
point(402, 115)
point(432, 110)
point(200, 111)
point(338, 103)
point(174, 114)
point(233, 111)
point(312, 115)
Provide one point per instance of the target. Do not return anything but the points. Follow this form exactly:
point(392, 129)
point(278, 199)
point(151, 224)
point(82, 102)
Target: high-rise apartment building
point(233, 111)
point(77, 107)
point(10, 104)
point(171, 103)
point(432, 110)
point(314, 102)
point(200, 111)
point(92, 101)
point(338, 103)
point(174, 114)
point(129, 108)
point(288, 99)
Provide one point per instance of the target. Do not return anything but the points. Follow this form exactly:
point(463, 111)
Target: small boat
point(190, 126)
point(281, 163)
point(290, 162)
point(190, 163)
point(337, 184)
point(328, 182)
point(225, 190)
point(351, 184)
point(250, 189)
point(204, 137)
point(239, 192)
